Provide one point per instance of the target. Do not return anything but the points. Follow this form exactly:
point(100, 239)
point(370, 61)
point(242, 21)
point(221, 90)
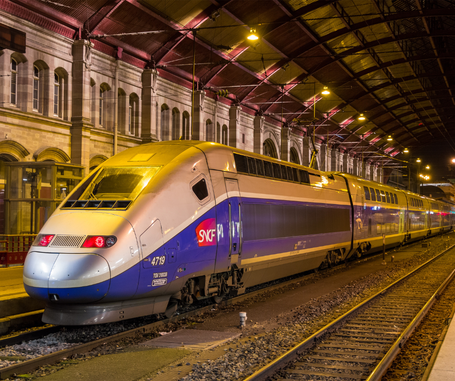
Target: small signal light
point(99, 241)
point(43, 240)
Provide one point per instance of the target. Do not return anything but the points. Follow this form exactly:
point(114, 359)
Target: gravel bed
point(64, 339)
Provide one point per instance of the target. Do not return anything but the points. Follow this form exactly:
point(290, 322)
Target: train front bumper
point(66, 278)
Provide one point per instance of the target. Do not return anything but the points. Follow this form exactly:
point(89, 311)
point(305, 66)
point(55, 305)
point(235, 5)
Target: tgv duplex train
point(168, 223)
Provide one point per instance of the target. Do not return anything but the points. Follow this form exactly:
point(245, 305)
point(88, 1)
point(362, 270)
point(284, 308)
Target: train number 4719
point(158, 261)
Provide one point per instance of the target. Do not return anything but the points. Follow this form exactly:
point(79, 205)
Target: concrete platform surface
point(444, 366)
point(126, 366)
point(11, 281)
point(192, 339)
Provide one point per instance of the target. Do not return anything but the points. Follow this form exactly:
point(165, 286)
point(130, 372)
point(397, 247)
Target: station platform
point(443, 368)
point(17, 309)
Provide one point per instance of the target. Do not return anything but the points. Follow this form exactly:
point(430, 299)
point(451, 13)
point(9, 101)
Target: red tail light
point(99, 241)
point(43, 240)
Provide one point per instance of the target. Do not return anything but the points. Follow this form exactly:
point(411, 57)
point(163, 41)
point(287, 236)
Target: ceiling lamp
point(427, 167)
point(406, 150)
point(326, 91)
point(389, 138)
point(361, 117)
point(253, 36)
point(418, 160)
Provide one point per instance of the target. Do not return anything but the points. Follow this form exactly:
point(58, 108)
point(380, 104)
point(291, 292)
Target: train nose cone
point(66, 278)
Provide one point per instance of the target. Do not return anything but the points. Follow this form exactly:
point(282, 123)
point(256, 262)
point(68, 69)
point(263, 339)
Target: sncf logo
point(206, 232)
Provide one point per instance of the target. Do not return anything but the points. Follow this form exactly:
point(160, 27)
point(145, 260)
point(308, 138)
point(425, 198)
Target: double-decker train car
point(168, 223)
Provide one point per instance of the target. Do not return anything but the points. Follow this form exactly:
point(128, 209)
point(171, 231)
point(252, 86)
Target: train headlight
point(99, 241)
point(43, 240)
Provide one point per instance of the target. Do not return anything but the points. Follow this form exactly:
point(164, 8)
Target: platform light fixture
point(389, 138)
point(361, 117)
point(427, 167)
point(418, 160)
point(325, 91)
point(253, 36)
point(406, 150)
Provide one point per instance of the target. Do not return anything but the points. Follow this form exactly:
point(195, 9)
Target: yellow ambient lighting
point(361, 117)
point(253, 36)
point(326, 91)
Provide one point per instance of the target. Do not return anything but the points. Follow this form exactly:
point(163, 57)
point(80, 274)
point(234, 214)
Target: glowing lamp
point(252, 36)
point(325, 91)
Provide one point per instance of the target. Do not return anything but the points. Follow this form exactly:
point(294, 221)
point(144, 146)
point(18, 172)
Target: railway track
point(143, 329)
point(49, 359)
point(361, 344)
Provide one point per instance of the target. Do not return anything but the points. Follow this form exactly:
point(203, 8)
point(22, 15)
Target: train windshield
point(119, 183)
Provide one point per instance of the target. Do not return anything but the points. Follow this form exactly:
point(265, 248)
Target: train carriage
point(170, 223)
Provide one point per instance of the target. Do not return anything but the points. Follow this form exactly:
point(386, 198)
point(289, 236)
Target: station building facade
point(67, 102)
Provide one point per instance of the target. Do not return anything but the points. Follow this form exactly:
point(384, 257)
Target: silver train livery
point(165, 224)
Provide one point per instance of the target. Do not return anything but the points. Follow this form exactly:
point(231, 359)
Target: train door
point(402, 219)
point(229, 228)
point(151, 241)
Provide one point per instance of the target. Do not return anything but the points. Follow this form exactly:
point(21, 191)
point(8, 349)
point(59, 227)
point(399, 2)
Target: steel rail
point(283, 360)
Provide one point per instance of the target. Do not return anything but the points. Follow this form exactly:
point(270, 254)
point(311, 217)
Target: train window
point(391, 198)
point(295, 174)
point(252, 166)
point(260, 167)
point(113, 183)
point(241, 163)
point(284, 174)
point(200, 189)
point(276, 171)
point(367, 193)
point(268, 169)
point(304, 177)
point(395, 197)
point(387, 196)
point(290, 173)
point(383, 199)
point(373, 195)
point(378, 195)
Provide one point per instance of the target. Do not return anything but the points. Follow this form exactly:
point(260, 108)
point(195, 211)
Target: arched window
point(218, 133)
point(121, 111)
point(57, 107)
point(133, 115)
point(165, 114)
point(13, 97)
point(270, 149)
point(294, 156)
point(224, 135)
point(186, 126)
point(36, 89)
point(209, 131)
point(101, 108)
point(175, 124)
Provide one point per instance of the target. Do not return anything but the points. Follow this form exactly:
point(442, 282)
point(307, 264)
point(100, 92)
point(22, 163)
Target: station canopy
point(389, 65)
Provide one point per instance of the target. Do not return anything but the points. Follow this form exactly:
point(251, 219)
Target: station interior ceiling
point(390, 61)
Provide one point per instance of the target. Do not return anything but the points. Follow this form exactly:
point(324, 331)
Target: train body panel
point(173, 222)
